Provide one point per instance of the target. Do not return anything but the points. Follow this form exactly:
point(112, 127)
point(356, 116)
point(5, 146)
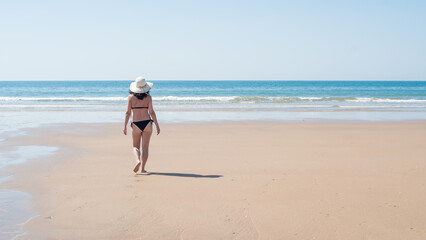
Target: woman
point(140, 102)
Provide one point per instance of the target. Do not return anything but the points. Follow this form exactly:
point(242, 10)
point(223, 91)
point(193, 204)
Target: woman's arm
point(152, 113)
point(128, 114)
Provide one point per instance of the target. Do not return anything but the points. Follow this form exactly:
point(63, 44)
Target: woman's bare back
point(140, 114)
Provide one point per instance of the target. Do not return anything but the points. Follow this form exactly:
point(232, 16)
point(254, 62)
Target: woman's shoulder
point(147, 98)
point(130, 96)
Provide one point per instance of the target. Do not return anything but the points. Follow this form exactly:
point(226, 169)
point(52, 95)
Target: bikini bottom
point(142, 124)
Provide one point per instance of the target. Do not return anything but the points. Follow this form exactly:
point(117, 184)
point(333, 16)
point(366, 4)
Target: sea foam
point(243, 99)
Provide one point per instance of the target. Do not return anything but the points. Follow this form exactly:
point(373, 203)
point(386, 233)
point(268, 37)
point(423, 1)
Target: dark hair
point(140, 96)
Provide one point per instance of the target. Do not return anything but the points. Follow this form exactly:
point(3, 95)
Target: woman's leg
point(136, 135)
point(146, 137)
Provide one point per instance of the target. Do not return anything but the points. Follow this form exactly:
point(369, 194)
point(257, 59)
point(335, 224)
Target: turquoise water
point(170, 95)
point(34, 103)
point(100, 89)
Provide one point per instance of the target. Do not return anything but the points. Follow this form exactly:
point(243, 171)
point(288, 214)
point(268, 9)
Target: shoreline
point(70, 146)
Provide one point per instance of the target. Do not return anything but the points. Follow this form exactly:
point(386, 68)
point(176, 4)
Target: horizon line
point(110, 80)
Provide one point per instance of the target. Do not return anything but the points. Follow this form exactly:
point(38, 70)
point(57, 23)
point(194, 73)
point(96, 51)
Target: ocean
point(218, 95)
point(35, 103)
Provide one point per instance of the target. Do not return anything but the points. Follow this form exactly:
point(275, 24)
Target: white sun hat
point(140, 85)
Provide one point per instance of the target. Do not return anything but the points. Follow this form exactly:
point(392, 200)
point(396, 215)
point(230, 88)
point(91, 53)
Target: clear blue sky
point(287, 40)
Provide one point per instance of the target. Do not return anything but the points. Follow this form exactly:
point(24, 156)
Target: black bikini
point(141, 124)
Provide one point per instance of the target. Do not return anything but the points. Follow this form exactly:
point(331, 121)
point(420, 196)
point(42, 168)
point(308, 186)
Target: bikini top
point(138, 107)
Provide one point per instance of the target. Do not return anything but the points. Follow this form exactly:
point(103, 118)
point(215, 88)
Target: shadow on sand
point(183, 175)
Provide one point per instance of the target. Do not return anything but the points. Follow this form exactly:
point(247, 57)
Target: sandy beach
point(242, 180)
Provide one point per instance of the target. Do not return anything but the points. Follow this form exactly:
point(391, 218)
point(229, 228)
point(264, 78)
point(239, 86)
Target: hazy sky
point(287, 40)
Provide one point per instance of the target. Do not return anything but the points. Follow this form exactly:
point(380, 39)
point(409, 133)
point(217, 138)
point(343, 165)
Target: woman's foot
point(136, 169)
point(143, 171)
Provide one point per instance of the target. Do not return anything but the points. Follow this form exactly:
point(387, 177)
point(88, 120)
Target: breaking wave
point(207, 99)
